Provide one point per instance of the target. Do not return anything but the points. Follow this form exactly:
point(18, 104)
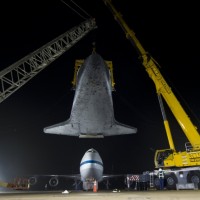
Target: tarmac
point(103, 195)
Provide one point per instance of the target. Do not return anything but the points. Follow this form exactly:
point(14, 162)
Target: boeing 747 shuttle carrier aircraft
point(91, 172)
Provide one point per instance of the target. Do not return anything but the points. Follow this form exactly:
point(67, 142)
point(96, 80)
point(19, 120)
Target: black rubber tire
point(194, 177)
point(157, 183)
point(171, 181)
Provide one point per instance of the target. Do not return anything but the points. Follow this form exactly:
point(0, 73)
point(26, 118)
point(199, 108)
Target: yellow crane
point(180, 167)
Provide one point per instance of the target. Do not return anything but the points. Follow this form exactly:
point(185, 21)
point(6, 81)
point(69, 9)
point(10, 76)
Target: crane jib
point(18, 74)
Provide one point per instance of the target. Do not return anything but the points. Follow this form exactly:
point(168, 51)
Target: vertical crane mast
point(19, 73)
point(162, 87)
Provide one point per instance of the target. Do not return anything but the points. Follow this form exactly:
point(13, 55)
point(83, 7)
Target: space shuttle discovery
point(92, 114)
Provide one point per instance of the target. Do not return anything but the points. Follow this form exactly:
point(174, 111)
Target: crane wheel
point(194, 177)
point(156, 183)
point(171, 181)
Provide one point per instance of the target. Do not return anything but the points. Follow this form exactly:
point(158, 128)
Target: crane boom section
point(17, 74)
point(161, 85)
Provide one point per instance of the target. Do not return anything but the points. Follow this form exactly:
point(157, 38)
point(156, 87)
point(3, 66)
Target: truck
point(182, 168)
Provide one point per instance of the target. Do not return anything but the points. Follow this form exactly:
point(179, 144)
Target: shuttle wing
point(71, 129)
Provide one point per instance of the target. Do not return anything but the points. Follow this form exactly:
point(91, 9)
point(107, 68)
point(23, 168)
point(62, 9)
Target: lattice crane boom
point(16, 75)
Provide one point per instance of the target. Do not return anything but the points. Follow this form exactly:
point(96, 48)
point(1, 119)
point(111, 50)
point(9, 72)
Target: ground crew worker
point(161, 178)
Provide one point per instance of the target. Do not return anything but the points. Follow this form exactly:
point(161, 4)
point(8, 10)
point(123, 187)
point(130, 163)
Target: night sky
point(169, 32)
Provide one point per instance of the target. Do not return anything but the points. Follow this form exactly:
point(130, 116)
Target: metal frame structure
point(16, 75)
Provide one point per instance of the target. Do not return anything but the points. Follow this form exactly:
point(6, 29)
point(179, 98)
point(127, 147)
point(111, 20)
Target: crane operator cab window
point(162, 155)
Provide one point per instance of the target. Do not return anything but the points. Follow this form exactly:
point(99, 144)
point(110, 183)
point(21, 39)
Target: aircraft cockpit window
point(91, 150)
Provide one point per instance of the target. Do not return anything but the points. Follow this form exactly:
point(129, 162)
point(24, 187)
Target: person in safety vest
point(161, 176)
